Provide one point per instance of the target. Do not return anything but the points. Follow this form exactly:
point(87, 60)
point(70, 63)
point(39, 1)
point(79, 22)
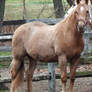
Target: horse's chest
point(74, 51)
point(70, 49)
point(76, 47)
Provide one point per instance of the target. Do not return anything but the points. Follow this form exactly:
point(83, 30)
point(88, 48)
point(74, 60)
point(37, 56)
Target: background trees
point(28, 9)
point(58, 7)
point(2, 6)
point(70, 2)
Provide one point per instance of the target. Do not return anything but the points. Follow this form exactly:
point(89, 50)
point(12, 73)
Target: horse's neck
point(68, 28)
point(71, 23)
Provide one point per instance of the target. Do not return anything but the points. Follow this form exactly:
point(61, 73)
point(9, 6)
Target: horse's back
point(33, 38)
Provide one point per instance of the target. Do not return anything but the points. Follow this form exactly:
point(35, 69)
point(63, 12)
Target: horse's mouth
point(81, 30)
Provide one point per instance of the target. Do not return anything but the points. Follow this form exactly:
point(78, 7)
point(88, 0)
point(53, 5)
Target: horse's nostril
point(81, 25)
point(80, 28)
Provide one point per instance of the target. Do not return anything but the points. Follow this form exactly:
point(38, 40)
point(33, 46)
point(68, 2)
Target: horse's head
point(82, 14)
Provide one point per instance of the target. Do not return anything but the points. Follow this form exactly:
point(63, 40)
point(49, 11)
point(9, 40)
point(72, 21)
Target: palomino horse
point(62, 42)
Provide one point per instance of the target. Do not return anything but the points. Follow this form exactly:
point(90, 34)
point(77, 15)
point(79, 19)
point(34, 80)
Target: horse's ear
point(87, 1)
point(91, 1)
point(78, 1)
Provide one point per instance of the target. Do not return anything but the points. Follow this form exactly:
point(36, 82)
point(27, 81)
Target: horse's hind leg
point(30, 72)
point(17, 73)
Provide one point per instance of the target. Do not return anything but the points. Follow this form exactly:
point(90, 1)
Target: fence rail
point(4, 38)
point(19, 22)
point(5, 48)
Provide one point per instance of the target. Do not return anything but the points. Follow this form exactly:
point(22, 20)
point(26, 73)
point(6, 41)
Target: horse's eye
point(87, 12)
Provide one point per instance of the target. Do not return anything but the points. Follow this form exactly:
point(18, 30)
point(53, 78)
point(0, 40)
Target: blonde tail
point(17, 73)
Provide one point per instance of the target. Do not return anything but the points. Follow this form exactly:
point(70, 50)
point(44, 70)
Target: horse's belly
point(43, 54)
point(46, 58)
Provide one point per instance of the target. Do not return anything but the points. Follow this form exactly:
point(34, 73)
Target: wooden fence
point(51, 66)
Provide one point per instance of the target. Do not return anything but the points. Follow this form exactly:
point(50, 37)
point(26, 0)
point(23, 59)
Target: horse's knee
point(29, 73)
point(64, 77)
point(72, 79)
point(72, 76)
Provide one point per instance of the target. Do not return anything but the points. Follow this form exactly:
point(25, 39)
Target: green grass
point(3, 91)
point(5, 62)
point(14, 9)
point(84, 73)
point(1, 65)
point(5, 53)
point(81, 73)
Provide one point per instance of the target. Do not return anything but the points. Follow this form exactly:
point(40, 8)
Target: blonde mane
point(69, 12)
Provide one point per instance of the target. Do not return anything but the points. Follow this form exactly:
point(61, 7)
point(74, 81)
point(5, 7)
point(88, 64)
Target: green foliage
point(5, 53)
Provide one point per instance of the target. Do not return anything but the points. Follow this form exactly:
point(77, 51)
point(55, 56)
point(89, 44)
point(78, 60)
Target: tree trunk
point(24, 9)
point(58, 7)
point(70, 2)
point(2, 7)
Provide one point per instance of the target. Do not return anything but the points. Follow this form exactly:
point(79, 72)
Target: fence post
point(86, 39)
point(52, 79)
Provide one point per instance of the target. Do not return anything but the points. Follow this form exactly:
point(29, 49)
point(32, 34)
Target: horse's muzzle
point(81, 29)
point(81, 26)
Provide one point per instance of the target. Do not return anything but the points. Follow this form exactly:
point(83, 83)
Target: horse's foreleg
point(73, 67)
point(30, 72)
point(63, 69)
point(17, 74)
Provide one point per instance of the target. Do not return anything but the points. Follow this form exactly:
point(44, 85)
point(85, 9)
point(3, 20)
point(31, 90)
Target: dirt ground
point(81, 85)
